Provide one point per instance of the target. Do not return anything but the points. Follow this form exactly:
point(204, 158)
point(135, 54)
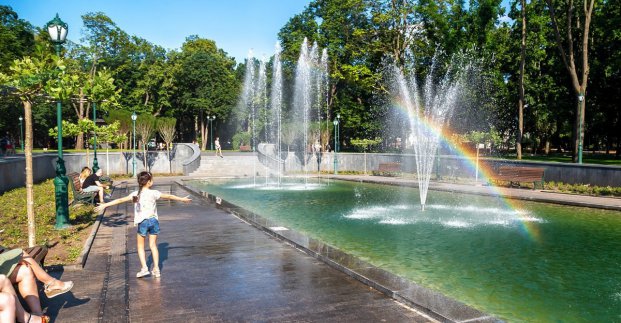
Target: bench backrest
point(388, 167)
point(521, 172)
point(76, 186)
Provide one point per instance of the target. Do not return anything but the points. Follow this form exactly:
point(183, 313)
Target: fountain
point(267, 114)
point(429, 107)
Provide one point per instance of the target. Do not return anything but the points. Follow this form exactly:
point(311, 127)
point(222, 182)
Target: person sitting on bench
point(24, 271)
point(11, 309)
point(92, 184)
point(86, 172)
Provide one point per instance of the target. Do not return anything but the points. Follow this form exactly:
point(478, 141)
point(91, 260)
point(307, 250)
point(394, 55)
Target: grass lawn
point(589, 158)
point(65, 245)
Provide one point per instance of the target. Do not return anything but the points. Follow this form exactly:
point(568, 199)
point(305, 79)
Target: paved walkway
point(215, 268)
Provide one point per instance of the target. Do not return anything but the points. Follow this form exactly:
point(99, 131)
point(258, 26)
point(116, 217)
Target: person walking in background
point(3, 143)
point(146, 219)
point(218, 147)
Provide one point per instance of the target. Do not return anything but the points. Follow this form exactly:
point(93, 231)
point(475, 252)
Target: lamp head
point(58, 30)
point(20, 118)
point(134, 116)
point(580, 97)
point(335, 122)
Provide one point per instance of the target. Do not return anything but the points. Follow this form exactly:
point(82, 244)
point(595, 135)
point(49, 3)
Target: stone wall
point(12, 170)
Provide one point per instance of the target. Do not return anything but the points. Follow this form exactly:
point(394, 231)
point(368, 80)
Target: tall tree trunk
point(520, 132)
point(29, 178)
point(203, 132)
point(578, 85)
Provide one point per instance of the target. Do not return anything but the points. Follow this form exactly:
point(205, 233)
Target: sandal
point(55, 292)
point(44, 318)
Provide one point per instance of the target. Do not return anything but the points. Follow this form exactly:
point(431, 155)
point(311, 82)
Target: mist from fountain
point(276, 109)
point(309, 104)
point(429, 106)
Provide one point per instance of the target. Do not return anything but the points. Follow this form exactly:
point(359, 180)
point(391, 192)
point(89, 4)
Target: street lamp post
point(21, 132)
point(580, 100)
point(57, 30)
point(95, 163)
point(211, 119)
point(134, 117)
point(336, 142)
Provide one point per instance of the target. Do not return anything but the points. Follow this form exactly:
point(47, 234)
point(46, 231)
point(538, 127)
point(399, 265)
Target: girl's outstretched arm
point(186, 199)
point(102, 206)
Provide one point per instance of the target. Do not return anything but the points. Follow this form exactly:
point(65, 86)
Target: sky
point(236, 26)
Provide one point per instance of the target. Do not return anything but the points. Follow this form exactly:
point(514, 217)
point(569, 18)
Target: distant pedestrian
point(218, 147)
point(3, 143)
point(146, 219)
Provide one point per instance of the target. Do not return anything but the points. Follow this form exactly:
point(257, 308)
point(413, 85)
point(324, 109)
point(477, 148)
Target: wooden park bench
point(245, 148)
point(388, 169)
point(514, 175)
point(78, 195)
point(37, 253)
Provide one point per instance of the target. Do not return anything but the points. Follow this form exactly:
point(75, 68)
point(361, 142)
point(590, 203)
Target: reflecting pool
point(519, 261)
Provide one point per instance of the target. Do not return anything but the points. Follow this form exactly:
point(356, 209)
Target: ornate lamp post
point(134, 117)
point(21, 132)
point(336, 142)
point(211, 119)
point(580, 103)
point(58, 32)
point(95, 163)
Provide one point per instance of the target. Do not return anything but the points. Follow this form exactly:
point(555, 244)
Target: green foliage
point(365, 143)
point(166, 129)
point(241, 139)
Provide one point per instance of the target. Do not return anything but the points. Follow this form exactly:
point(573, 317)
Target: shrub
point(240, 139)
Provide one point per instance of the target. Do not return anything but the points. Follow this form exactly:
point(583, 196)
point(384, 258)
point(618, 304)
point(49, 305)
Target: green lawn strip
point(14, 221)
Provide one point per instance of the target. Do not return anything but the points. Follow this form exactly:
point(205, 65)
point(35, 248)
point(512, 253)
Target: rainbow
point(528, 227)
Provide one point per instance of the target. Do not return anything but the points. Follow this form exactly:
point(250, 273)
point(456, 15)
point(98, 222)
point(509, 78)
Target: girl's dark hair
point(143, 179)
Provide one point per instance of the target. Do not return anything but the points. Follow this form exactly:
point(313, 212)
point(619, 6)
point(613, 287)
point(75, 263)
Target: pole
point(580, 103)
point(95, 163)
point(60, 181)
point(211, 132)
point(134, 148)
point(336, 126)
point(21, 133)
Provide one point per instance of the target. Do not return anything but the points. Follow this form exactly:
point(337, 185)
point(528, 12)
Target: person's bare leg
point(101, 194)
point(7, 307)
point(24, 277)
point(154, 252)
point(140, 247)
point(41, 274)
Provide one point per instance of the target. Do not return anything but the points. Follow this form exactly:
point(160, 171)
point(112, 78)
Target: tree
point(206, 82)
point(364, 144)
point(521, 82)
point(27, 78)
point(166, 129)
point(145, 128)
point(567, 53)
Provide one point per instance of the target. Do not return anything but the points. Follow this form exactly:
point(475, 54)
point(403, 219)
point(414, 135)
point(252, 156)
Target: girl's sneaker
point(156, 273)
point(143, 272)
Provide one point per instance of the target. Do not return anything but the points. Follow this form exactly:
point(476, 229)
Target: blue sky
point(236, 26)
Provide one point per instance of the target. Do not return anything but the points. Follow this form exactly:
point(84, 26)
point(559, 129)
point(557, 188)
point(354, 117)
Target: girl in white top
point(145, 218)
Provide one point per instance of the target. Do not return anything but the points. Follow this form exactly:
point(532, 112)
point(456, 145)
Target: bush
point(241, 139)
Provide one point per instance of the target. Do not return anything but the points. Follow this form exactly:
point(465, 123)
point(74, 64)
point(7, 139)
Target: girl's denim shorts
point(149, 226)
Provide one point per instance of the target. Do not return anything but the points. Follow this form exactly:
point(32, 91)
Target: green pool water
point(519, 261)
